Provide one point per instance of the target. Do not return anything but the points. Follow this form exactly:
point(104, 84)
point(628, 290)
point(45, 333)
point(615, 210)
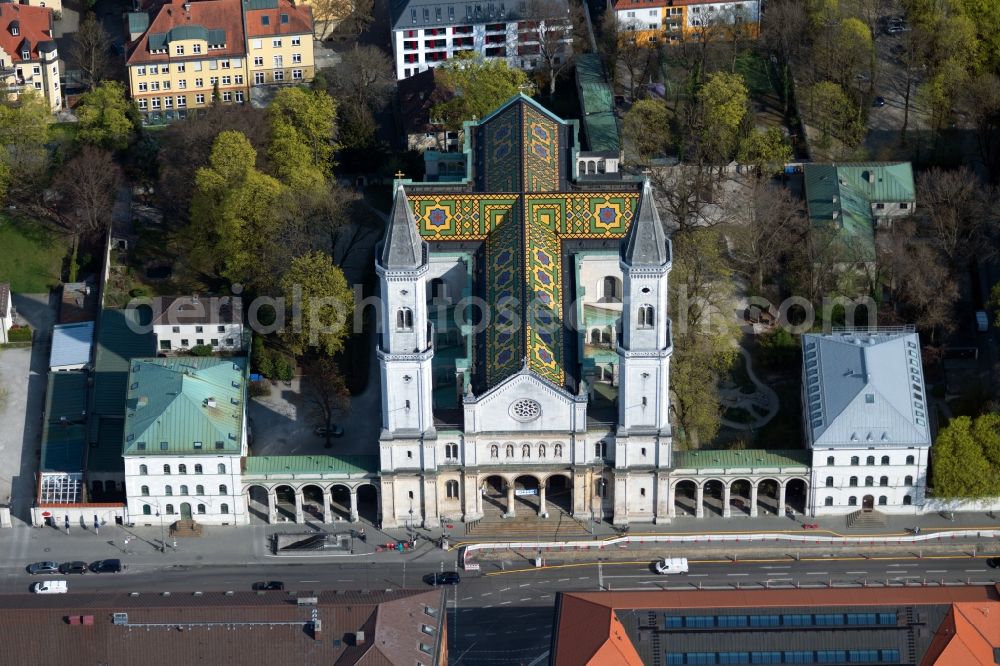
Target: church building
point(524, 345)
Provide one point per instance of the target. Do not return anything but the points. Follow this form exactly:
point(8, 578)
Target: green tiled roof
point(117, 344)
point(64, 438)
point(598, 104)
point(348, 465)
point(186, 405)
point(66, 397)
point(105, 451)
point(138, 22)
point(752, 458)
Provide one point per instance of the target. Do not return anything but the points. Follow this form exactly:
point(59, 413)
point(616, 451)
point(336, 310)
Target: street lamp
point(159, 514)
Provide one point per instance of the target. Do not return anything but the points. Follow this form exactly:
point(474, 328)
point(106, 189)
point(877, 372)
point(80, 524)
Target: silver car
point(43, 568)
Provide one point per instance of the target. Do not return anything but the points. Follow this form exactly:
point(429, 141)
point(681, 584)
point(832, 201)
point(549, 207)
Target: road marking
point(524, 585)
point(901, 565)
point(739, 574)
point(316, 581)
point(344, 580)
point(562, 580)
point(546, 596)
point(504, 603)
point(775, 567)
point(584, 578)
point(975, 571)
point(505, 589)
point(485, 594)
point(488, 606)
point(936, 571)
point(466, 598)
point(856, 572)
point(526, 599)
point(640, 576)
point(817, 573)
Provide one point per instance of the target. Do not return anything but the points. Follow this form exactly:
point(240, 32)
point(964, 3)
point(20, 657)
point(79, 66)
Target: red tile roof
point(209, 14)
point(33, 24)
point(969, 635)
point(300, 20)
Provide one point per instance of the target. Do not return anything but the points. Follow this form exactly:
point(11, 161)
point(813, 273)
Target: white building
point(426, 33)
point(6, 311)
point(866, 420)
point(183, 322)
point(185, 434)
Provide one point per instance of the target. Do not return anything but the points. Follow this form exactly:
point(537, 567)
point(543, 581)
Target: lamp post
point(159, 514)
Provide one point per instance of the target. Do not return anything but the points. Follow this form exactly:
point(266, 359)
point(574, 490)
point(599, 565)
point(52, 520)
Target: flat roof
point(752, 458)
point(346, 465)
point(72, 344)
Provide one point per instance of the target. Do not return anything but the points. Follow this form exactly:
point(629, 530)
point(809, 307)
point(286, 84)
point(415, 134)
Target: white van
point(672, 565)
point(50, 587)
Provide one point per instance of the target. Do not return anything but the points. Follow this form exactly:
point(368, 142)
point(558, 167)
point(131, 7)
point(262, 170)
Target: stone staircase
point(558, 525)
point(185, 528)
point(865, 519)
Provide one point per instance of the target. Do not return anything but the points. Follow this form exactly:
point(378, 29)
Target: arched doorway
point(767, 496)
point(739, 497)
point(712, 497)
point(685, 493)
point(867, 503)
point(185, 511)
point(367, 496)
point(527, 493)
point(258, 504)
point(312, 502)
point(559, 493)
point(284, 503)
point(796, 495)
point(494, 490)
point(340, 502)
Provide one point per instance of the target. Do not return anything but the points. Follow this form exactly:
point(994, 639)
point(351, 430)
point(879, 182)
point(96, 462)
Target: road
point(506, 616)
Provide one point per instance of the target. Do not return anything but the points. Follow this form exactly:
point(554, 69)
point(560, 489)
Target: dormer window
point(25, 55)
point(15, 28)
point(284, 19)
point(265, 20)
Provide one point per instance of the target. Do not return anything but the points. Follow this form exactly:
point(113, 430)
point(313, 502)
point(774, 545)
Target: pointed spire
point(403, 247)
point(646, 243)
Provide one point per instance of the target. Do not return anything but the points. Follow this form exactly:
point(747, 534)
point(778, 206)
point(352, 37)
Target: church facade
point(525, 344)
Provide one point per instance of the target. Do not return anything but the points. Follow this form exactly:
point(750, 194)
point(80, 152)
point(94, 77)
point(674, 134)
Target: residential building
point(924, 626)
point(29, 57)
point(867, 420)
point(184, 437)
point(426, 33)
point(6, 311)
point(183, 54)
point(182, 322)
point(118, 629)
point(849, 203)
point(673, 21)
point(72, 346)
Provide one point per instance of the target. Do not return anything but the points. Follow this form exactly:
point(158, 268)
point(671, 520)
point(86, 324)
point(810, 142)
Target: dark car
point(269, 585)
point(334, 430)
point(73, 568)
point(106, 566)
point(993, 562)
point(445, 578)
point(43, 568)
point(878, 102)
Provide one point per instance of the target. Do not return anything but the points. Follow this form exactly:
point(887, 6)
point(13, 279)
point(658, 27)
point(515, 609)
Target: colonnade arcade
point(533, 493)
point(298, 501)
point(736, 496)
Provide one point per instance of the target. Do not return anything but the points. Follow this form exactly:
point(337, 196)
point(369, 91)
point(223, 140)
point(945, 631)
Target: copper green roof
point(119, 339)
point(752, 458)
point(64, 432)
point(185, 405)
point(347, 465)
point(597, 103)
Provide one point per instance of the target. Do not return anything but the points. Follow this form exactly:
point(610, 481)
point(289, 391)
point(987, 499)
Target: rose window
point(526, 409)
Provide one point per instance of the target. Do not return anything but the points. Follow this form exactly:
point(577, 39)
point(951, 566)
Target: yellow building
point(29, 58)
point(672, 21)
point(187, 53)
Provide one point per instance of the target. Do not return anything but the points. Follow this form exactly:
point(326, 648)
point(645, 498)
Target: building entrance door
point(868, 503)
point(185, 511)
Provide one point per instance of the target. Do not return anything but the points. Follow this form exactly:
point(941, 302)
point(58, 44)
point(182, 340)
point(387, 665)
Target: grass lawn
point(33, 254)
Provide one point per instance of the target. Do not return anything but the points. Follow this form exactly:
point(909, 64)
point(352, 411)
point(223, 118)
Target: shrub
point(19, 334)
point(259, 389)
point(201, 350)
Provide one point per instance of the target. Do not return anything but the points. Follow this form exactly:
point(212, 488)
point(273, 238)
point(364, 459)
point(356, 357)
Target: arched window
point(199, 490)
point(853, 482)
point(869, 481)
point(602, 488)
point(907, 500)
point(595, 336)
point(170, 510)
point(197, 469)
point(541, 450)
point(166, 469)
point(601, 449)
point(223, 490)
point(828, 501)
point(646, 316)
point(201, 508)
point(829, 460)
point(611, 289)
point(883, 481)
point(145, 491)
point(147, 510)
point(169, 490)
point(855, 460)
point(494, 451)
point(221, 468)
point(224, 508)
point(510, 450)
point(143, 470)
point(852, 501)
point(558, 451)
point(182, 469)
point(829, 482)
point(885, 460)
point(871, 460)
point(882, 500)
point(451, 489)
point(908, 481)
point(184, 490)
point(525, 451)
point(909, 460)
point(404, 319)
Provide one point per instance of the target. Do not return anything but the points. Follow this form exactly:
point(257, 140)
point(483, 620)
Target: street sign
point(520, 492)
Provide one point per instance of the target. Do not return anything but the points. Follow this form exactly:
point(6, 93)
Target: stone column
point(299, 517)
point(542, 512)
point(781, 499)
point(272, 507)
point(753, 500)
point(671, 501)
point(327, 511)
point(510, 501)
point(354, 505)
point(699, 502)
point(726, 509)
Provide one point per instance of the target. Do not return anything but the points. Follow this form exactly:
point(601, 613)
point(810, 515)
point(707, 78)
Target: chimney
point(317, 627)
point(359, 638)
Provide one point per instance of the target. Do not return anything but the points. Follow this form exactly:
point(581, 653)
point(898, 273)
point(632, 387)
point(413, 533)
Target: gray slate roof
point(864, 390)
point(646, 243)
point(403, 247)
point(71, 344)
point(417, 14)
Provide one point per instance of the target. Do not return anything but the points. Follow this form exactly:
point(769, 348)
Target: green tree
point(723, 102)
point(961, 467)
point(833, 113)
point(767, 151)
point(647, 128)
point(107, 118)
point(303, 122)
point(995, 304)
point(327, 390)
point(478, 87)
point(24, 127)
point(320, 305)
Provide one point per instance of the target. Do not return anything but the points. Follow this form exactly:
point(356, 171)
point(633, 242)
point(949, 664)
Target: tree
point(961, 467)
point(327, 390)
point(913, 57)
point(767, 151)
point(331, 13)
point(89, 52)
point(981, 100)
point(24, 128)
point(364, 77)
point(478, 87)
point(306, 121)
point(635, 58)
point(957, 214)
point(684, 194)
point(88, 184)
point(549, 23)
point(853, 52)
point(939, 92)
point(766, 223)
point(995, 303)
point(107, 118)
point(646, 128)
point(723, 100)
point(783, 28)
point(326, 303)
point(833, 112)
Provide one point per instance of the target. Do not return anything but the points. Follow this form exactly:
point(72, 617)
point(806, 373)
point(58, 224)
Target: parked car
point(50, 587)
point(671, 565)
point(43, 568)
point(76, 567)
point(810, 526)
point(878, 102)
point(993, 562)
point(107, 566)
point(444, 578)
point(269, 585)
point(335, 431)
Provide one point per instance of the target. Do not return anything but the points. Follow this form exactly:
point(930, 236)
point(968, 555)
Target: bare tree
point(88, 184)
point(550, 24)
point(363, 77)
point(685, 194)
point(350, 15)
point(327, 390)
point(913, 54)
point(89, 51)
point(783, 27)
point(982, 102)
point(958, 214)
